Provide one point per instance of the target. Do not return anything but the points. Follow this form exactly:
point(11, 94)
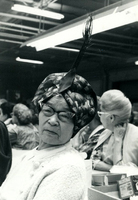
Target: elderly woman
point(23, 134)
point(54, 170)
point(118, 144)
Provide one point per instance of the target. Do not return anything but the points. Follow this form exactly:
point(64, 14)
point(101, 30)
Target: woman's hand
point(100, 165)
point(119, 131)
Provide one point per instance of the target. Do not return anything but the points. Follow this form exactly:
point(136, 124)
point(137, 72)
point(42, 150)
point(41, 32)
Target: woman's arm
point(97, 163)
point(13, 137)
point(12, 133)
point(100, 165)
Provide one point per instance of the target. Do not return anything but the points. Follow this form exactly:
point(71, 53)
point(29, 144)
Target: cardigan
point(55, 173)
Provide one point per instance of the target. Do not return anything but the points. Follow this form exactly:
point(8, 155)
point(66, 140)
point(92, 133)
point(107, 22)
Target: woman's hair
point(23, 114)
point(6, 107)
point(116, 102)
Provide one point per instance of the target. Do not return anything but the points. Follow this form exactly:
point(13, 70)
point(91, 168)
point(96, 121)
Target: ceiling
point(109, 48)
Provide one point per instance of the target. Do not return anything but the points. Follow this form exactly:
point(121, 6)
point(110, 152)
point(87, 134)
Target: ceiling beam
point(21, 26)
point(10, 41)
point(119, 36)
point(28, 18)
point(17, 30)
point(8, 35)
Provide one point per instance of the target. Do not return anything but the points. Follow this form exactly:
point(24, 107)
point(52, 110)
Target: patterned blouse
point(87, 139)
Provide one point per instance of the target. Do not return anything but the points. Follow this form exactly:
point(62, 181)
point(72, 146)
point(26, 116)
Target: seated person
point(118, 144)
point(87, 137)
point(54, 170)
point(23, 134)
point(5, 153)
point(5, 110)
point(35, 120)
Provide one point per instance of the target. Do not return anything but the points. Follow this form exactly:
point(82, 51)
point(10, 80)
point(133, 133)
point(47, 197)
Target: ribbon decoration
point(67, 80)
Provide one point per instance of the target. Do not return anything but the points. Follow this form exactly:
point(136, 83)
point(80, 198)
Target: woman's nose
point(53, 120)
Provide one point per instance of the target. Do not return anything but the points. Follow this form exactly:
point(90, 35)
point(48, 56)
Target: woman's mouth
point(50, 132)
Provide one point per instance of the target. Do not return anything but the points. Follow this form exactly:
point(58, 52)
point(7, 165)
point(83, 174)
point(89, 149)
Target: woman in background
point(118, 144)
point(23, 134)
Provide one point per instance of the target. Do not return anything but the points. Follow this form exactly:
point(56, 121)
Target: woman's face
point(14, 118)
point(106, 119)
point(55, 124)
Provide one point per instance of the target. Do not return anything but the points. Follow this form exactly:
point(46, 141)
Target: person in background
point(5, 153)
point(118, 144)
point(134, 119)
point(87, 137)
point(5, 110)
point(23, 134)
point(35, 120)
point(55, 170)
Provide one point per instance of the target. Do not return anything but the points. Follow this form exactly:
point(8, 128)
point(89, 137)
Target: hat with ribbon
point(75, 89)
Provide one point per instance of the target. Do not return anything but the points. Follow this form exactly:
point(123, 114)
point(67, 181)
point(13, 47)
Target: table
point(109, 192)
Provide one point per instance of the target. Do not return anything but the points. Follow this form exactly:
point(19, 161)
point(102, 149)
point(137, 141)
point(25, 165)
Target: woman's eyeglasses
point(102, 113)
point(63, 116)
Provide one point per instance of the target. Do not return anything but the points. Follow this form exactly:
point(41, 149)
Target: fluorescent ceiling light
point(36, 11)
point(57, 38)
point(29, 61)
point(113, 18)
point(136, 62)
point(66, 49)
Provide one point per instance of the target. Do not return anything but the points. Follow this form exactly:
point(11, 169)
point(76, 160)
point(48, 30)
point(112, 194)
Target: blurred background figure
point(87, 138)
point(134, 115)
point(135, 118)
point(5, 152)
point(35, 118)
point(23, 134)
point(5, 110)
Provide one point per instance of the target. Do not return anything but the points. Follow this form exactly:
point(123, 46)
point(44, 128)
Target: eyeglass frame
point(100, 113)
point(71, 114)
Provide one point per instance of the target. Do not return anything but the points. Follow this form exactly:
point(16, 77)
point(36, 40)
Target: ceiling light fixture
point(118, 16)
point(66, 49)
point(29, 61)
point(56, 37)
point(36, 11)
point(136, 62)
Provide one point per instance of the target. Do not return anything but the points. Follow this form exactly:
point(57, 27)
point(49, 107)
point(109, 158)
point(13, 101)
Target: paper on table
point(88, 165)
point(134, 198)
point(121, 169)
